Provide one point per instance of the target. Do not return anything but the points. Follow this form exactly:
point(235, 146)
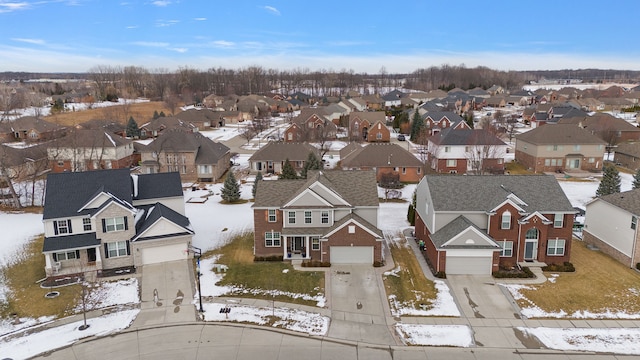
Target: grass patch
point(26, 298)
point(599, 284)
point(239, 201)
point(141, 112)
point(409, 285)
point(263, 279)
point(515, 168)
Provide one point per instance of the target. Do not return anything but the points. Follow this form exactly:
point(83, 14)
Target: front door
point(298, 243)
point(91, 255)
point(530, 250)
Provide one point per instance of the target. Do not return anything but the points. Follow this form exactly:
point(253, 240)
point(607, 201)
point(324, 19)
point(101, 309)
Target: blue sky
point(401, 36)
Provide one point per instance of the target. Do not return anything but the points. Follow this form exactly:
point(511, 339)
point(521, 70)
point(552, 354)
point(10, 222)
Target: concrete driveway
point(166, 293)
point(480, 297)
point(359, 309)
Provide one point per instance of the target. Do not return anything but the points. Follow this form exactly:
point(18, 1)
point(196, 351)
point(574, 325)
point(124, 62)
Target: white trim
point(132, 211)
point(304, 192)
point(156, 222)
point(480, 233)
point(545, 221)
point(352, 221)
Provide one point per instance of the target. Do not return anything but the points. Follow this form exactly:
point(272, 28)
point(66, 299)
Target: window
point(324, 217)
point(290, 136)
point(634, 222)
point(558, 220)
point(272, 215)
point(315, 243)
point(62, 226)
point(114, 224)
point(292, 217)
point(86, 224)
point(555, 147)
point(506, 248)
point(532, 234)
point(61, 256)
point(404, 170)
point(204, 169)
point(452, 163)
point(379, 136)
point(272, 239)
point(506, 220)
point(592, 160)
point(555, 247)
point(116, 249)
point(352, 229)
point(307, 217)
point(419, 170)
point(467, 149)
point(447, 149)
point(576, 147)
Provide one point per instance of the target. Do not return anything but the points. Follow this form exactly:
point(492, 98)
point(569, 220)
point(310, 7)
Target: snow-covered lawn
point(436, 335)
point(618, 341)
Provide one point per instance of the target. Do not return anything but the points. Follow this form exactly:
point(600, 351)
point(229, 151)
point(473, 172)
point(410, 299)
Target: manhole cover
point(52, 294)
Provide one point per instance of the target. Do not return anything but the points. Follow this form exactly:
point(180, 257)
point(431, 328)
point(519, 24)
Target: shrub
point(565, 267)
point(513, 273)
point(268, 258)
point(441, 275)
point(638, 266)
point(315, 263)
point(378, 263)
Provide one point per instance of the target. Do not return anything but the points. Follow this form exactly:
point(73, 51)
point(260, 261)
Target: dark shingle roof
point(157, 211)
point(628, 200)
point(70, 242)
point(483, 193)
point(358, 188)
point(375, 155)
point(557, 134)
point(91, 138)
point(450, 136)
point(453, 228)
point(207, 151)
point(280, 151)
point(155, 186)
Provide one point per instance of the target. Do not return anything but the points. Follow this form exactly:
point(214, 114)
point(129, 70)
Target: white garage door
point(468, 265)
point(352, 254)
point(158, 254)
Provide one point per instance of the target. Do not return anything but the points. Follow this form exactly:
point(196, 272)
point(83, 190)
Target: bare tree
point(482, 152)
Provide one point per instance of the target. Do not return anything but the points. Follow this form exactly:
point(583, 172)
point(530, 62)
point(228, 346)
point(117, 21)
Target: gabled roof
point(353, 219)
point(167, 122)
point(438, 116)
point(371, 116)
point(451, 136)
point(68, 192)
point(207, 151)
point(380, 155)
point(631, 149)
point(559, 134)
point(31, 122)
point(628, 200)
point(155, 213)
point(74, 241)
point(456, 227)
point(477, 193)
point(600, 122)
point(195, 115)
point(280, 151)
point(17, 156)
point(357, 188)
point(91, 138)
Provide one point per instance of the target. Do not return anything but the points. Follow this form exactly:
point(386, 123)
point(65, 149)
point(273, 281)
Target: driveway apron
point(166, 294)
point(356, 302)
point(480, 297)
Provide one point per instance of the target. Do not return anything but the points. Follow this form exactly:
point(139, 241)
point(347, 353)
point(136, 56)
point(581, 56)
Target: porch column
point(306, 246)
point(285, 248)
point(47, 261)
point(98, 258)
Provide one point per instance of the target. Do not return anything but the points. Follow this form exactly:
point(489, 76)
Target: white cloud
point(133, 27)
point(180, 50)
point(161, 3)
point(150, 43)
point(29, 41)
point(13, 6)
point(165, 23)
point(200, 19)
point(223, 43)
point(272, 10)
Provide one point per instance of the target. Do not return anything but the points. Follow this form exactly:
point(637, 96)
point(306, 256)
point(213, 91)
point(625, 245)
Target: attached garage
point(162, 253)
point(468, 265)
point(351, 255)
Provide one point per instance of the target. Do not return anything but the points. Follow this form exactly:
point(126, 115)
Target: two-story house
point(461, 151)
point(611, 224)
point(368, 126)
point(270, 158)
point(312, 124)
point(193, 155)
point(384, 159)
point(110, 219)
point(90, 149)
point(560, 147)
point(436, 121)
point(477, 224)
point(332, 216)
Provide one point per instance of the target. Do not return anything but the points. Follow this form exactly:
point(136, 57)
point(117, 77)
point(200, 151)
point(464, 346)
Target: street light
point(198, 253)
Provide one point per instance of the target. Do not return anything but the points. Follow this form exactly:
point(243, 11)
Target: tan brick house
point(383, 159)
point(331, 216)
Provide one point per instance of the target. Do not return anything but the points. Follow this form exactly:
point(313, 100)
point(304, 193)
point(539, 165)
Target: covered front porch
point(298, 245)
point(65, 255)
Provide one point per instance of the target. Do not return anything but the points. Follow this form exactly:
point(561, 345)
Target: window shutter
point(104, 226)
point(77, 254)
point(126, 227)
point(69, 225)
point(55, 257)
point(128, 247)
point(106, 249)
point(55, 227)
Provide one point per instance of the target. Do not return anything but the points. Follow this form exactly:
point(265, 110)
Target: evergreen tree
point(132, 128)
point(231, 189)
point(312, 163)
point(636, 180)
point(155, 114)
point(161, 114)
point(288, 172)
point(411, 212)
point(610, 183)
point(416, 126)
point(255, 184)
